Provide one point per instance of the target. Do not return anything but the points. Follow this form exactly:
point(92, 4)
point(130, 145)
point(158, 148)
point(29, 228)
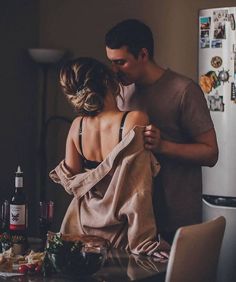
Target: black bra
point(93, 164)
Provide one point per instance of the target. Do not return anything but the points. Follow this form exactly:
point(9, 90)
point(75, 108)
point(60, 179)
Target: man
point(181, 133)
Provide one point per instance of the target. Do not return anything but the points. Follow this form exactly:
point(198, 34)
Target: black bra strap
point(80, 136)
point(122, 125)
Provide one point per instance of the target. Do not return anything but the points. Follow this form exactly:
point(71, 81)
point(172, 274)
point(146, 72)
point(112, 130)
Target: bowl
point(80, 256)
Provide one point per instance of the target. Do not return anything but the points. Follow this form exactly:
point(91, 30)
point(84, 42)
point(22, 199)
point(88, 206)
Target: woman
point(106, 167)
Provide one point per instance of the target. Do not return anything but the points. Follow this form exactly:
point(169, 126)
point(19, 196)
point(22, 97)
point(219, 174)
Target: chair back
point(195, 252)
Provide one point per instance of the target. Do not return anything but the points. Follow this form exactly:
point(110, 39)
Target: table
point(120, 265)
point(123, 266)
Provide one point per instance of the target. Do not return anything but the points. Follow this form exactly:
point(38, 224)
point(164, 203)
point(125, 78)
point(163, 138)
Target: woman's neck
point(110, 104)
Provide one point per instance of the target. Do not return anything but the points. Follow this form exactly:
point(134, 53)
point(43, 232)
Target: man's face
point(127, 68)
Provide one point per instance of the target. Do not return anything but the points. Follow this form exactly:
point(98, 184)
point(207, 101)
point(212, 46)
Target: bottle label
point(17, 217)
point(18, 181)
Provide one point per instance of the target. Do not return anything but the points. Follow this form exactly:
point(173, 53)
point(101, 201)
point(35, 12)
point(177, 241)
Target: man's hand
point(152, 138)
point(203, 149)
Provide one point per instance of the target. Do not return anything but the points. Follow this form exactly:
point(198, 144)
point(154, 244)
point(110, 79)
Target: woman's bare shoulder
point(75, 125)
point(76, 121)
point(137, 118)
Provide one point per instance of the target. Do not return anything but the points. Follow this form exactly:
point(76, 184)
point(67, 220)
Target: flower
point(5, 238)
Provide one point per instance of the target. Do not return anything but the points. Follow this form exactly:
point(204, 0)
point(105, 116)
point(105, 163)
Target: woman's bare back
point(99, 135)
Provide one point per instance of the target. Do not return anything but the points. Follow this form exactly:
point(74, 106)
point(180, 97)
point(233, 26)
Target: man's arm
point(203, 150)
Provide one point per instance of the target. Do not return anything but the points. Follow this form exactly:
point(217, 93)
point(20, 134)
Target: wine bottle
point(18, 214)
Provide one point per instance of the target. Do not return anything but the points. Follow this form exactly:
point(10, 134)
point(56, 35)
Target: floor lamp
point(45, 58)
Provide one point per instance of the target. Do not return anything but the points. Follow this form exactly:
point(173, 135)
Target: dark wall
point(19, 30)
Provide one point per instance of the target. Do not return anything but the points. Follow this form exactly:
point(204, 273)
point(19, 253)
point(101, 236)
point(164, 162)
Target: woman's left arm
point(73, 159)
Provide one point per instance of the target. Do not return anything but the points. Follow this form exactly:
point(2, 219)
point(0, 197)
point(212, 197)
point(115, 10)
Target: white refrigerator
point(217, 78)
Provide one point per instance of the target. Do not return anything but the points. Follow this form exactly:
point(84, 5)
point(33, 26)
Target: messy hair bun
point(85, 82)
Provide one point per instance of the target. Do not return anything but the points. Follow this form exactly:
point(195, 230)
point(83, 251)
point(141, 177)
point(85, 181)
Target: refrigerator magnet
point(209, 81)
point(204, 33)
point(232, 21)
point(204, 40)
point(205, 83)
point(219, 19)
point(219, 32)
point(204, 43)
point(233, 92)
point(216, 103)
point(205, 23)
point(214, 79)
point(224, 75)
point(216, 43)
point(216, 62)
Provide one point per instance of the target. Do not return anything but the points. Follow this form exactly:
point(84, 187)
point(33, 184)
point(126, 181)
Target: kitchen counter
point(119, 266)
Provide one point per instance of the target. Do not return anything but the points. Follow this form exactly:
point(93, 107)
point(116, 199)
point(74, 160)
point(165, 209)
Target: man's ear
point(143, 54)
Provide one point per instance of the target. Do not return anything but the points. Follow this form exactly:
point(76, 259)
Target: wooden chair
point(195, 252)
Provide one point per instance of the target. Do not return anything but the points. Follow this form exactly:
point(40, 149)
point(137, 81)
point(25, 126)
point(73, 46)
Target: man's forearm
point(198, 153)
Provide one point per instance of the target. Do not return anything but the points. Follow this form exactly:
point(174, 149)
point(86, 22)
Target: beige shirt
point(114, 200)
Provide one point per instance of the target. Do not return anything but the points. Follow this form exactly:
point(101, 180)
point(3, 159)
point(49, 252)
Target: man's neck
point(152, 73)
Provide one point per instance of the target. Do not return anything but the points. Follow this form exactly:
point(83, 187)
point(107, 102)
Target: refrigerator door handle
point(218, 201)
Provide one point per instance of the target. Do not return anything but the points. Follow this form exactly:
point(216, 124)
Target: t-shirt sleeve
point(195, 115)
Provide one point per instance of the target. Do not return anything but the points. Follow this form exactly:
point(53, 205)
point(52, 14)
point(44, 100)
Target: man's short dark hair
point(131, 33)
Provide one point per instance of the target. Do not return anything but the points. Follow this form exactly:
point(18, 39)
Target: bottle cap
point(19, 177)
point(19, 172)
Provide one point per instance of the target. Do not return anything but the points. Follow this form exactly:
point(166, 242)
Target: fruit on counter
point(23, 268)
point(30, 268)
point(28, 264)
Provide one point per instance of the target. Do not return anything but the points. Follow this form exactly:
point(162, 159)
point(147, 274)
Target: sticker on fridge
point(204, 40)
point(233, 92)
point(220, 17)
point(216, 43)
point(215, 102)
point(205, 23)
point(209, 81)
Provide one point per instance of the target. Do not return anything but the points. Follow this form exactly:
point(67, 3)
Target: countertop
point(119, 266)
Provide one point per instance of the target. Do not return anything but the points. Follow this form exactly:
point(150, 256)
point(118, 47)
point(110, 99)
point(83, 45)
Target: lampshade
point(46, 56)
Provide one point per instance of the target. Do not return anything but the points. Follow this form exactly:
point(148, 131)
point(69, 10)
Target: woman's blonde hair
point(85, 82)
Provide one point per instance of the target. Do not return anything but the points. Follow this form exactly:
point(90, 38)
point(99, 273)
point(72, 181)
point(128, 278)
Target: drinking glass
point(5, 214)
point(5, 242)
point(46, 211)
